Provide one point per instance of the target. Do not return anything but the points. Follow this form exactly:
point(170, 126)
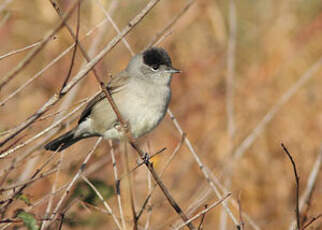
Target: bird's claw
point(146, 158)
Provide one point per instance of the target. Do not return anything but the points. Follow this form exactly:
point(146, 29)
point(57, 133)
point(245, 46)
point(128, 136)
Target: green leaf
point(93, 220)
point(28, 219)
point(88, 195)
point(24, 198)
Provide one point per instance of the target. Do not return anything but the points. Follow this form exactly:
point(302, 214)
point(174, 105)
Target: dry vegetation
point(252, 79)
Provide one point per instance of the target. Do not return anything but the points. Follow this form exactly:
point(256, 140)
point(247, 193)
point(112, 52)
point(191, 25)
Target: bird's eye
point(155, 67)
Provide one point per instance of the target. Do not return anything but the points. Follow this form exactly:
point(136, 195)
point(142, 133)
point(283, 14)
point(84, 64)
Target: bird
point(142, 94)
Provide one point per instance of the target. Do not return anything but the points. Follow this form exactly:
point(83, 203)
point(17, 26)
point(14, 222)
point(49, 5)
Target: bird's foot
point(146, 158)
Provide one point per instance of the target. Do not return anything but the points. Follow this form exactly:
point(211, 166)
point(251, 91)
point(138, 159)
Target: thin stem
point(297, 181)
point(106, 205)
point(204, 211)
point(117, 185)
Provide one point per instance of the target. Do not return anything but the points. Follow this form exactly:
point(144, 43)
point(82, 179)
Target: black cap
point(156, 56)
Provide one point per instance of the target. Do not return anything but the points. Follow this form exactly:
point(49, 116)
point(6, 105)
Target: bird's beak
point(173, 70)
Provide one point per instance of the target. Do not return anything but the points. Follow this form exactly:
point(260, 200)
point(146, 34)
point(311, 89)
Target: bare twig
point(106, 205)
point(305, 199)
point(231, 71)
point(240, 211)
point(130, 186)
point(117, 185)
point(24, 183)
point(297, 179)
point(149, 214)
point(142, 163)
point(74, 51)
point(62, 216)
point(173, 21)
point(163, 37)
point(311, 221)
point(109, 18)
point(204, 211)
point(230, 94)
point(200, 227)
point(233, 202)
point(13, 52)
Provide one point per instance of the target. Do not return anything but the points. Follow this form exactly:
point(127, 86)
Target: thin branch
point(240, 211)
point(230, 86)
point(106, 205)
point(230, 95)
point(30, 181)
point(232, 201)
point(297, 179)
point(130, 185)
point(142, 163)
point(74, 51)
point(204, 211)
point(200, 227)
point(117, 185)
point(109, 18)
point(171, 23)
point(163, 37)
point(311, 221)
point(13, 52)
point(305, 199)
point(149, 214)
point(62, 217)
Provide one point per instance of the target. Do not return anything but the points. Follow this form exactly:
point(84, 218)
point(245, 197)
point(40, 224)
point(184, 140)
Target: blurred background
point(251, 80)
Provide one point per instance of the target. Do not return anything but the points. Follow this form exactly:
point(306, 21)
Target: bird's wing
point(114, 86)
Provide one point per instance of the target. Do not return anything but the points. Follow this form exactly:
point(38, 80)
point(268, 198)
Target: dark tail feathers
point(63, 142)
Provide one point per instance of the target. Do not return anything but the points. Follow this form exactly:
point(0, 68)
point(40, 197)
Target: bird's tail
point(63, 142)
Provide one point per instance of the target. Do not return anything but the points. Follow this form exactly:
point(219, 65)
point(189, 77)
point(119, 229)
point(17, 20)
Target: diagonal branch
point(297, 180)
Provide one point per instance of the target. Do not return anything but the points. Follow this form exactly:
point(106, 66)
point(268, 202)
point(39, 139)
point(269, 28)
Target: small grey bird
point(142, 94)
